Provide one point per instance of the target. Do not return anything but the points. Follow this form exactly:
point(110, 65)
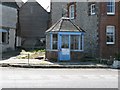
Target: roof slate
point(65, 25)
point(10, 3)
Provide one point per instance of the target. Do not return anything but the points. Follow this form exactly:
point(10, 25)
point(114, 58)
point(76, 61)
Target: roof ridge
point(53, 25)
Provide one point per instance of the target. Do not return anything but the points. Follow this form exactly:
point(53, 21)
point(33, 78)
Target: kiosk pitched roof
point(64, 25)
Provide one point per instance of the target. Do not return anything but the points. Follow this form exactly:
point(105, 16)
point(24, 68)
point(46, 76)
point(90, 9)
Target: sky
point(44, 3)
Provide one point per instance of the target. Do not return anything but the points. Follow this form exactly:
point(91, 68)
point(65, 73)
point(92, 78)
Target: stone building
point(81, 16)
point(34, 20)
point(99, 20)
point(8, 22)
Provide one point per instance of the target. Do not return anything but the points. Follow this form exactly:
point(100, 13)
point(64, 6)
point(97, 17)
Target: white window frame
point(111, 6)
point(92, 8)
point(74, 37)
point(110, 30)
point(72, 11)
point(54, 42)
point(80, 43)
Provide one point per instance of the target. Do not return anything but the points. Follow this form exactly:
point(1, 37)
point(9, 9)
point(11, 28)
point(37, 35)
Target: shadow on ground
point(84, 61)
point(9, 54)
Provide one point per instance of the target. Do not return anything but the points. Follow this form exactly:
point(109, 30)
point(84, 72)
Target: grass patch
point(38, 50)
point(31, 54)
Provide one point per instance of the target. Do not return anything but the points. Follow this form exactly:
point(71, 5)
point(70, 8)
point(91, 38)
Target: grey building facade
point(34, 20)
point(8, 25)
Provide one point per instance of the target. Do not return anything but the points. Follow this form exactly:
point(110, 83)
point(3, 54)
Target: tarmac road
point(58, 78)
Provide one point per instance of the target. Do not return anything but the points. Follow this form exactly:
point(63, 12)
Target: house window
point(72, 11)
point(93, 9)
point(110, 33)
point(54, 41)
point(76, 42)
point(111, 7)
point(81, 42)
point(65, 41)
point(4, 37)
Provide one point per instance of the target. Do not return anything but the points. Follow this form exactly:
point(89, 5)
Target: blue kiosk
point(64, 41)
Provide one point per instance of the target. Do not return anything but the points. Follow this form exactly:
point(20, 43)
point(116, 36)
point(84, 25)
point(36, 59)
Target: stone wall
point(90, 24)
point(83, 20)
point(57, 9)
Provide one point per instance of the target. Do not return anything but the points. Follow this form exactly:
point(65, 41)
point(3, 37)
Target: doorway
point(64, 52)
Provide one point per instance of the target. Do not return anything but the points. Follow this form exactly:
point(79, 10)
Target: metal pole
point(28, 58)
point(0, 51)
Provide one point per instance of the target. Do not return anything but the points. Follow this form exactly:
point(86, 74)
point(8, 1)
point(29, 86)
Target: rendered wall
point(9, 21)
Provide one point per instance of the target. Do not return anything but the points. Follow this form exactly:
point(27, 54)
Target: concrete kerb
point(52, 66)
point(34, 63)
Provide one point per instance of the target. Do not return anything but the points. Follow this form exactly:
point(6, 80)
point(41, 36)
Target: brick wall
point(119, 27)
point(76, 56)
point(53, 55)
point(107, 50)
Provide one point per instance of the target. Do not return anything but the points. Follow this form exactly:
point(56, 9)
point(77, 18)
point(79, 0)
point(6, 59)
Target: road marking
point(15, 77)
point(109, 76)
point(56, 77)
point(91, 76)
